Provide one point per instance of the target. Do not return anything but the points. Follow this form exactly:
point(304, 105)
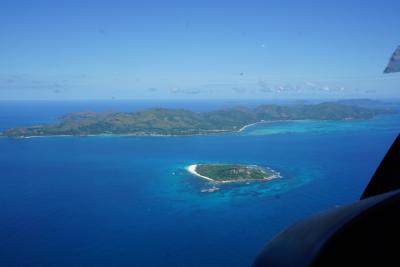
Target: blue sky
point(197, 49)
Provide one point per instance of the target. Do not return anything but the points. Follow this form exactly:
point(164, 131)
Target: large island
point(227, 173)
point(162, 121)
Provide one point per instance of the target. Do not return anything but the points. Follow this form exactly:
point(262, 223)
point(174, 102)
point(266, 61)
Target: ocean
point(128, 201)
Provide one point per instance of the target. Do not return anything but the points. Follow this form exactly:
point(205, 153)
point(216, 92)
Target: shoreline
point(210, 132)
point(192, 169)
point(249, 125)
point(217, 132)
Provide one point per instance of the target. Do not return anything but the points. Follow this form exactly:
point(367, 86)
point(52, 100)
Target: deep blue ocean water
point(128, 201)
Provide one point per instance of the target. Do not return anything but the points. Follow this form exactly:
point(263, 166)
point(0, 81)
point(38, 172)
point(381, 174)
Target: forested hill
point(162, 121)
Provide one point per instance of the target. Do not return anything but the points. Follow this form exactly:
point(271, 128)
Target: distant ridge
point(362, 102)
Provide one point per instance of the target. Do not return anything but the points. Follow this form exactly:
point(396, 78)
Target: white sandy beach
point(249, 125)
point(246, 126)
point(192, 170)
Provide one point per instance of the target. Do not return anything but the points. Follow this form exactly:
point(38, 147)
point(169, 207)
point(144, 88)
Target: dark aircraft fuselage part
point(364, 233)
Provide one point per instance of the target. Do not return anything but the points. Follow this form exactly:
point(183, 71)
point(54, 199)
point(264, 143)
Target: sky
point(197, 49)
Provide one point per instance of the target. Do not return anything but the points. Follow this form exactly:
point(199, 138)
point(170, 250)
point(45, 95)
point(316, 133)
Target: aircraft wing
point(394, 62)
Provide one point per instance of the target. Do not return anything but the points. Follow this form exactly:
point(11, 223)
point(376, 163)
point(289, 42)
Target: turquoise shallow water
point(128, 201)
point(381, 123)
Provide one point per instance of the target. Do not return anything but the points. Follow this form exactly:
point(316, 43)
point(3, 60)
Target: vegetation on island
point(234, 172)
point(162, 121)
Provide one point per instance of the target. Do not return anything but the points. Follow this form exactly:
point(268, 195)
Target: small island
point(228, 173)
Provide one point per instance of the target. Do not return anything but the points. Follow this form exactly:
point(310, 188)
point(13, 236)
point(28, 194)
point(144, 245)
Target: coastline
point(192, 169)
point(273, 121)
point(249, 125)
point(210, 132)
point(216, 132)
